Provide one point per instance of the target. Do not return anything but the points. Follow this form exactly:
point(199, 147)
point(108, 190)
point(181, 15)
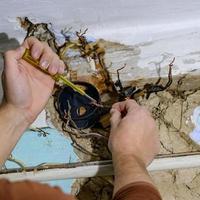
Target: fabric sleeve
point(31, 191)
point(138, 191)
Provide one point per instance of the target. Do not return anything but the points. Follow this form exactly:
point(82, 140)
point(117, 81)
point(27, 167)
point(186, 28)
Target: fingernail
point(44, 64)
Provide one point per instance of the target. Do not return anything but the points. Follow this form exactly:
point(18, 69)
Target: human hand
point(133, 132)
point(26, 88)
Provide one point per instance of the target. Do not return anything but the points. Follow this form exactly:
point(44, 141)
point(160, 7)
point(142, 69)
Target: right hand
point(133, 132)
point(26, 88)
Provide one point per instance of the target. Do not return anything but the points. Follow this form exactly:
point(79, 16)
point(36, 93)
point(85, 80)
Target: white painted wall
point(129, 21)
point(167, 27)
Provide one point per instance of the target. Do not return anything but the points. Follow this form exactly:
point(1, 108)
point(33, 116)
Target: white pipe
point(103, 169)
point(190, 161)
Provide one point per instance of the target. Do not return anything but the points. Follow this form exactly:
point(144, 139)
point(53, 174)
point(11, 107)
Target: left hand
point(133, 132)
point(26, 88)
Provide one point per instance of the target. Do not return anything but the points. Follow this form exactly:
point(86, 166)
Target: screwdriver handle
point(36, 63)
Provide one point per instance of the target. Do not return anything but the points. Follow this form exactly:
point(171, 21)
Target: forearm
point(128, 169)
point(12, 126)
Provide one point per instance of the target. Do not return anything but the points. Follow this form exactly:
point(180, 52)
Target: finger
point(115, 118)
point(125, 106)
point(14, 54)
point(117, 106)
point(130, 105)
point(54, 66)
point(46, 58)
point(61, 67)
point(35, 46)
point(11, 59)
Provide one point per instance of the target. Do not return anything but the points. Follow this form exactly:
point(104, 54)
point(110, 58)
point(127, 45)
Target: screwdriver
point(36, 63)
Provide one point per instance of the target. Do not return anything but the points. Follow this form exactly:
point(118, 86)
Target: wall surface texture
point(128, 22)
point(146, 35)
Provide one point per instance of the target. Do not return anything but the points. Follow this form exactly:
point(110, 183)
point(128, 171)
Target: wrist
point(125, 157)
point(129, 168)
point(15, 116)
point(123, 147)
point(12, 126)
point(133, 152)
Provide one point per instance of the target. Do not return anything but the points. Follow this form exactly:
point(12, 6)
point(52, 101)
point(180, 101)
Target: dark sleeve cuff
point(138, 191)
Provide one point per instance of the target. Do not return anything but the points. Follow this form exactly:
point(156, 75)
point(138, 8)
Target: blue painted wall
point(34, 149)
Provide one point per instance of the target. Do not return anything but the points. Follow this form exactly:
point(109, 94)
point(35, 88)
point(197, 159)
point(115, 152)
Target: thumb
point(14, 54)
point(11, 59)
point(115, 118)
point(18, 53)
point(11, 65)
